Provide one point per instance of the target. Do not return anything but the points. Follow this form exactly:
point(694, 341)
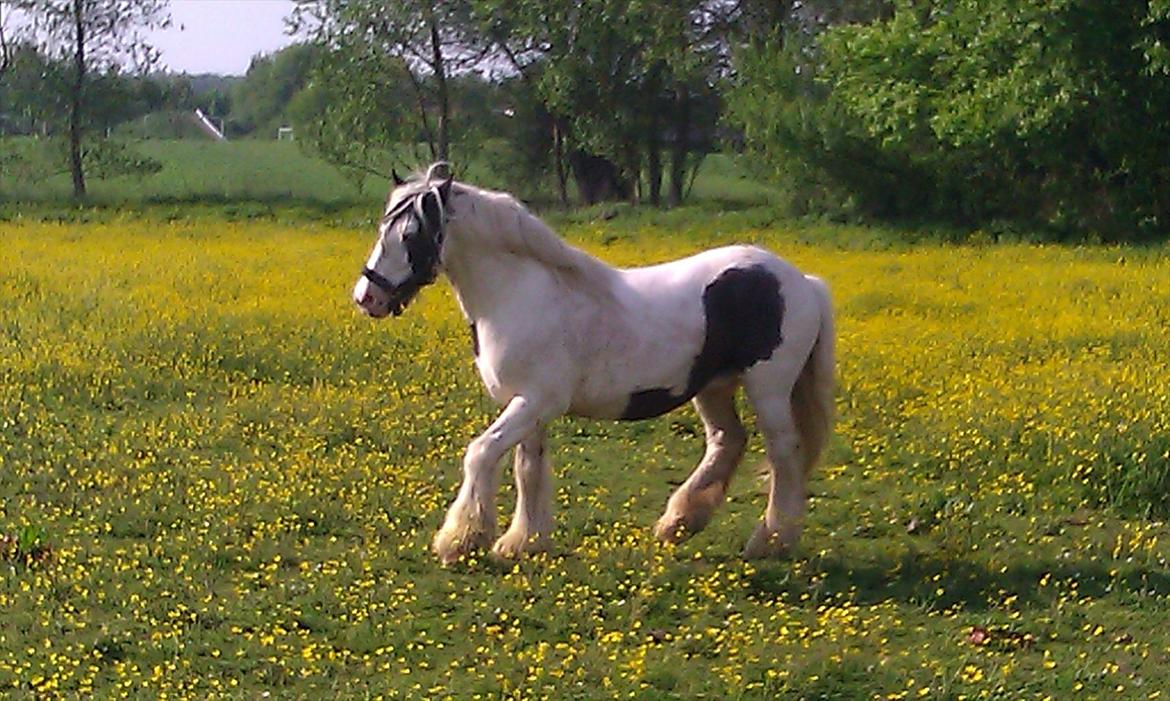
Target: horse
point(556, 331)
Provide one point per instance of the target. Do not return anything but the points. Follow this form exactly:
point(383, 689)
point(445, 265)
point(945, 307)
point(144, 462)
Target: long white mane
point(499, 218)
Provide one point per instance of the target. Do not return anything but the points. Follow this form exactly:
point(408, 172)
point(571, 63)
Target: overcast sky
point(221, 36)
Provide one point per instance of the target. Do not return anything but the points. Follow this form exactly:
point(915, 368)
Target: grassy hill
point(247, 170)
point(206, 170)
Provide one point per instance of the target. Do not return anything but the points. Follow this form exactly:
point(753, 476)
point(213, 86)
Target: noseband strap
point(374, 277)
point(429, 227)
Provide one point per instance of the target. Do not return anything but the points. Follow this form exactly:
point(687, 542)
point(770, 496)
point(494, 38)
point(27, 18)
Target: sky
point(221, 36)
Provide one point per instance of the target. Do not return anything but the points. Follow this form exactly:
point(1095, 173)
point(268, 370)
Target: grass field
point(196, 171)
point(218, 480)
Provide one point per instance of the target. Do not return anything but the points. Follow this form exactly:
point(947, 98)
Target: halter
point(379, 281)
point(425, 269)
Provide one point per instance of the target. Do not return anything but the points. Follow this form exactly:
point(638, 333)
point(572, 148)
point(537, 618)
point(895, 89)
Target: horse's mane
point(501, 217)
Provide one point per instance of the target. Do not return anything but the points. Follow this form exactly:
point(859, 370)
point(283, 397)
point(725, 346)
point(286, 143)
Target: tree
point(1045, 113)
point(355, 111)
point(5, 50)
point(1156, 39)
point(624, 80)
point(95, 37)
point(691, 53)
point(427, 42)
point(260, 102)
point(1019, 111)
point(784, 113)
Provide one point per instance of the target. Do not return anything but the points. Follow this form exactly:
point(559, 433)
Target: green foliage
point(1156, 41)
point(619, 77)
point(35, 96)
point(262, 101)
point(28, 163)
point(108, 158)
point(802, 140)
point(32, 92)
point(92, 41)
point(389, 67)
point(597, 65)
point(979, 111)
point(28, 547)
point(355, 109)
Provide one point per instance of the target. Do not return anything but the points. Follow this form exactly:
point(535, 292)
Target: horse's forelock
point(437, 165)
point(417, 184)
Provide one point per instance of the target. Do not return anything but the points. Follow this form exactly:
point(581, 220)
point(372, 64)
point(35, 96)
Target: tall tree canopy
point(619, 77)
point(370, 47)
point(1047, 112)
point(619, 84)
point(261, 101)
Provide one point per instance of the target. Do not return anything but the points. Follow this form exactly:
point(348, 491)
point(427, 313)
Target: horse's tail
point(812, 395)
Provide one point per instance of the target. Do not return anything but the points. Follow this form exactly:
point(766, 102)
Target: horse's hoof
point(450, 545)
point(673, 528)
point(765, 544)
point(516, 544)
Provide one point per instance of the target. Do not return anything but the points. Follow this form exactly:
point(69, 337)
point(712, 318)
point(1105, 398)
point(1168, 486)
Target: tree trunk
point(75, 106)
point(5, 56)
point(633, 172)
point(440, 69)
point(678, 156)
point(420, 99)
point(654, 159)
point(559, 161)
point(598, 178)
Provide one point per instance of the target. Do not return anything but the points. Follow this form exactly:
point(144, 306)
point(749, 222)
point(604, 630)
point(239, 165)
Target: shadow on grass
point(938, 581)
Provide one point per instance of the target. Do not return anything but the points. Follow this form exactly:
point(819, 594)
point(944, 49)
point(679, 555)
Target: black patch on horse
point(744, 312)
point(474, 338)
point(424, 243)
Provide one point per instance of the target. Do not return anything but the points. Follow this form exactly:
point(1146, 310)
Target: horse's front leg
point(532, 523)
point(471, 519)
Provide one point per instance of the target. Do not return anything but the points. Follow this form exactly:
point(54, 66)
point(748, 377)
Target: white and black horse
point(557, 331)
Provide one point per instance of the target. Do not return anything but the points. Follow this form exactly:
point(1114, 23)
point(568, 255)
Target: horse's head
point(410, 241)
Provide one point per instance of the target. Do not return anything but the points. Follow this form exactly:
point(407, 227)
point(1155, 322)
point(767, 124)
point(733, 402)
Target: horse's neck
point(483, 284)
point(508, 254)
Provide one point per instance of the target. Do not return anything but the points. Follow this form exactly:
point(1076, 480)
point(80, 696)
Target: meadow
point(198, 172)
point(218, 480)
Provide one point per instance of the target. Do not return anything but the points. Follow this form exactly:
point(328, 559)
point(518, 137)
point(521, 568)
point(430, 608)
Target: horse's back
point(689, 322)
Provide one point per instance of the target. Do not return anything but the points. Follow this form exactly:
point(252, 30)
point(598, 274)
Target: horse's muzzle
point(379, 299)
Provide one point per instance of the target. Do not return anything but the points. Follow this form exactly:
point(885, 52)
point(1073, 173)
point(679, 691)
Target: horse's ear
point(445, 190)
point(397, 180)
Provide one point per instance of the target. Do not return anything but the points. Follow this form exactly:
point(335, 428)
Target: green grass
point(195, 170)
point(723, 179)
point(199, 171)
point(236, 478)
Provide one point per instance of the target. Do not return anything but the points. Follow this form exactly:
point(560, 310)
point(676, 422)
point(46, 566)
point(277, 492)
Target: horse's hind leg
point(691, 505)
point(787, 501)
point(532, 522)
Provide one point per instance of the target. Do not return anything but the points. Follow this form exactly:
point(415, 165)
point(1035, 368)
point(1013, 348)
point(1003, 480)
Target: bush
point(1046, 113)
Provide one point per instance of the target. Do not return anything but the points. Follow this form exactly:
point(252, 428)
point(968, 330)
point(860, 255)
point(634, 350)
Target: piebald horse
point(556, 331)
